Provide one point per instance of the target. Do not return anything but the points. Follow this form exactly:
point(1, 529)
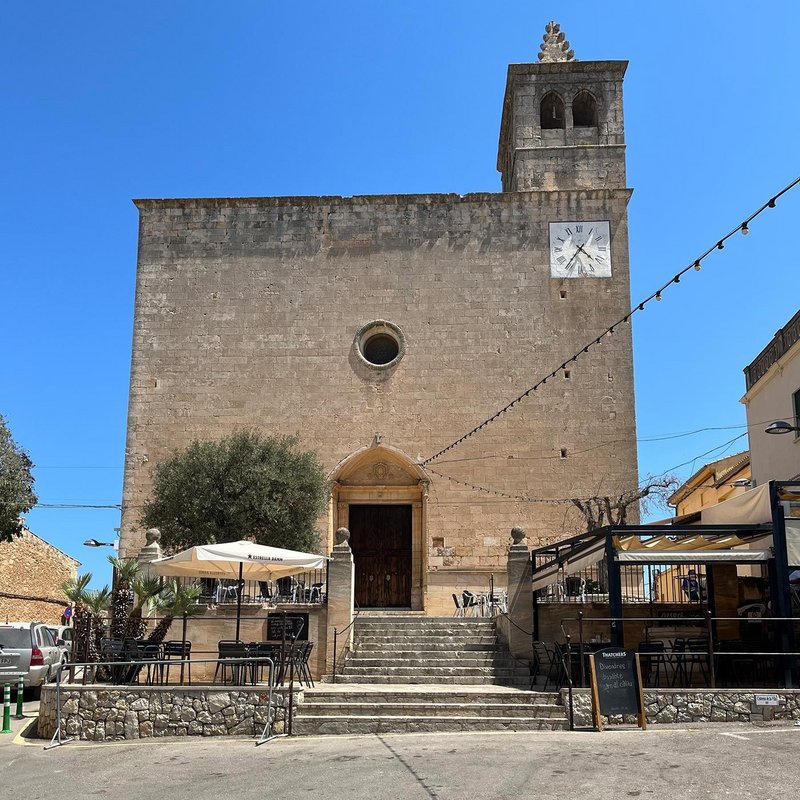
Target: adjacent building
point(31, 574)
point(773, 393)
point(714, 482)
point(379, 329)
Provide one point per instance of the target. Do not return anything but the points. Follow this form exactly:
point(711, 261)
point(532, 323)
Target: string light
point(640, 307)
point(745, 229)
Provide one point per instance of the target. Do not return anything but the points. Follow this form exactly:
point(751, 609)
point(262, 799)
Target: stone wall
point(102, 713)
point(664, 706)
point(31, 574)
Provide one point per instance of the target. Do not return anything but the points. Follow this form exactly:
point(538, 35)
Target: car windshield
point(14, 637)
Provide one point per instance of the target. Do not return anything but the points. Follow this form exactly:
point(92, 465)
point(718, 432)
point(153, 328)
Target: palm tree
point(175, 601)
point(97, 602)
point(122, 596)
point(145, 589)
point(75, 590)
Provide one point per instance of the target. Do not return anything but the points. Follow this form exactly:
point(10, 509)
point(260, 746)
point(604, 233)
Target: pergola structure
point(761, 537)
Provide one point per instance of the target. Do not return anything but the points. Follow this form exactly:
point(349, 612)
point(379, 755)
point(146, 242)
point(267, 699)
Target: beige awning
point(694, 556)
point(749, 508)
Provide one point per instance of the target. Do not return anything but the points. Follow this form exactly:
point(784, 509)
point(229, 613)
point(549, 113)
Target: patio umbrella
point(239, 560)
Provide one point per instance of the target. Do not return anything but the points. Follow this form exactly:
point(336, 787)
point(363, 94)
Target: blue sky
point(106, 102)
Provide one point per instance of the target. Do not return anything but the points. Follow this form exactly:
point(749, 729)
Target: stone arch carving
point(584, 110)
point(551, 112)
point(381, 464)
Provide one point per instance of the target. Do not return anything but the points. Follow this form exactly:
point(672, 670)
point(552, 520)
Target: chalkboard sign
point(296, 626)
point(616, 685)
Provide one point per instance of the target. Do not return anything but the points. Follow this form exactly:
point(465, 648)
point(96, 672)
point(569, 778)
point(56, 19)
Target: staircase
point(411, 673)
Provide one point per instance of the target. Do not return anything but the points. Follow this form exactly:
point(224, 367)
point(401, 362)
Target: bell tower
point(562, 125)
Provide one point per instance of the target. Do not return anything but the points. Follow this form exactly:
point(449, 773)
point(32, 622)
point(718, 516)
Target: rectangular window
point(796, 403)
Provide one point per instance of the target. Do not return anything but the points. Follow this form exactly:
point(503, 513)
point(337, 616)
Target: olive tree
point(246, 485)
point(16, 485)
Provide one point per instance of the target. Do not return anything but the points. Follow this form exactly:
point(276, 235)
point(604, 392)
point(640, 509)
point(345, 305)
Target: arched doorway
point(380, 494)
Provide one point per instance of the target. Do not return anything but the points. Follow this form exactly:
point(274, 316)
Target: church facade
point(380, 329)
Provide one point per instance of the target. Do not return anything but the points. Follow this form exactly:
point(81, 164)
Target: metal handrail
point(336, 634)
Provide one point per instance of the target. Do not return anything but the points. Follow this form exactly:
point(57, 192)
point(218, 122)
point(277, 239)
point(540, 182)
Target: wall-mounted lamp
point(781, 426)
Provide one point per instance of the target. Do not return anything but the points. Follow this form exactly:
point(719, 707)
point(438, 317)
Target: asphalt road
point(714, 761)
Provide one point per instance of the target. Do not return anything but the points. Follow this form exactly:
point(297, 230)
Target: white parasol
point(240, 561)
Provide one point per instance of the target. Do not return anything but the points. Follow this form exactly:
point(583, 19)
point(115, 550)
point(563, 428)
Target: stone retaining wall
point(103, 713)
point(696, 705)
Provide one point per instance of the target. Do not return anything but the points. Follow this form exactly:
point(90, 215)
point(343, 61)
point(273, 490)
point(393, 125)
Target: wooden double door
point(380, 538)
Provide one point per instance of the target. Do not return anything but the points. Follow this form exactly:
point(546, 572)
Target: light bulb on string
point(697, 265)
point(745, 229)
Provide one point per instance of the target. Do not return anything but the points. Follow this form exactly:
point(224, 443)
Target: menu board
point(296, 626)
point(616, 685)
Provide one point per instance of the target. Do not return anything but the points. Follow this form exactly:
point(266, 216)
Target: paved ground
point(715, 761)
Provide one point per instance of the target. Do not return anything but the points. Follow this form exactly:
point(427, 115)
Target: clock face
point(580, 249)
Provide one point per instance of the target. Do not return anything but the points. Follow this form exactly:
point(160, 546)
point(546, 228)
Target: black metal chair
point(304, 671)
point(259, 652)
point(459, 602)
point(228, 649)
point(652, 657)
point(177, 649)
point(471, 603)
point(548, 664)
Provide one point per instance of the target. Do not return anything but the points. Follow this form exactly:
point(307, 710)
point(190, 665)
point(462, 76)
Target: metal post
point(614, 593)
point(781, 598)
point(6, 708)
point(333, 676)
point(291, 688)
point(240, 586)
point(710, 628)
point(183, 646)
point(20, 693)
point(569, 684)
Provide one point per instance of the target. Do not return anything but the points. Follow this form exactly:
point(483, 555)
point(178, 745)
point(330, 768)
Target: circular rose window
point(380, 344)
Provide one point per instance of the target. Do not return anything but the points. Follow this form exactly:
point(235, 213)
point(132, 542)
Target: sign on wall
point(296, 626)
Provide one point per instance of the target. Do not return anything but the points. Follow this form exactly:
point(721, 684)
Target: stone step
point(356, 694)
point(409, 619)
point(424, 641)
point(417, 660)
point(316, 726)
point(428, 709)
point(521, 682)
point(354, 669)
point(429, 647)
point(416, 627)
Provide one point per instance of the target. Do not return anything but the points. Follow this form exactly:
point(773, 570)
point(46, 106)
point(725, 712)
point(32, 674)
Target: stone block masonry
point(101, 713)
point(665, 706)
point(246, 311)
point(31, 574)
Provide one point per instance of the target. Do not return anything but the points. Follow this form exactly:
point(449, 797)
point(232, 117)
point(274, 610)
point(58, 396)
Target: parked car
point(64, 636)
point(28, 649)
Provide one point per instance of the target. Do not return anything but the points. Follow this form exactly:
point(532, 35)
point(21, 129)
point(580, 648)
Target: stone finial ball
point(341, 536)
point(517, 534)
point(152, 535)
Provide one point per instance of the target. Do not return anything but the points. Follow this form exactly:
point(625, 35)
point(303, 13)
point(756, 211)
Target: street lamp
point(95, 543)
point(781, 426)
